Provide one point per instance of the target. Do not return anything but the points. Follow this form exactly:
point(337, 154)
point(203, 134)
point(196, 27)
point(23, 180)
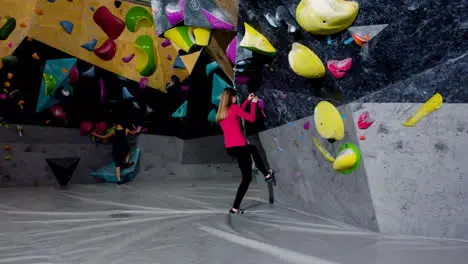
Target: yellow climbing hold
point(325, 17)
point(345, 160)
point(256, 42)
point(181, 36)
point(305, 62)
point(430, 106)
point(328, 121)
point(202, 36)
point(323, 151)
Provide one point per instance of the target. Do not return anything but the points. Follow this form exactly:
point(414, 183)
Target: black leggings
point(243, 156)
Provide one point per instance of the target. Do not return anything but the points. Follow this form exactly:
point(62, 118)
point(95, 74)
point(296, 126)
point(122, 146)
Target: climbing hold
point(215, 22)
point(175, 13)
point(64, 70)
point(181, 36)
point(7, 157)
point(136, 17)
point(3, 96)
point(7, 147)
point(202, 36)
point(85, 128)
point(146, 60)
point(109, 23)
point(50, 84)
point(430, 106)
point(107, 50)
point(178, 63)
point(282, 14)
point(107, 173)
point(7, 84)
point(126, 94)
point(325, 17)
point(348, 159)
point(347, 41)
point(218, 85)
point(261, 104)
point(89, 73)
point(90, 45)
point(363, 34)
point(58, 112)
point(362, 137)
point(51, 1)
point(365, 121)
point(184, 87)
point(242, 79)
point(67, 26)
point(102, 85)
point(323, 151)
point(329, 40)
point(20, 104)
point(169, 57)
point(92, 9)
point(181, 111)
point(339, 68)
point(39, 12)
point(304, 62)
point(328, 121)
point(256, 42)
point(29, 38)
point(73, 75)
point(231, 51)
point(63, 168)
point(101, 128)
point(35, 56)
point(10, 45)
point(165, 43)
point(280, 149)
point(8, 25)
point(20, 130)
point(143, 82)
point(117, 4)
point(307, 125)
point(211, 67)
point(128, 58)
point(212, 116)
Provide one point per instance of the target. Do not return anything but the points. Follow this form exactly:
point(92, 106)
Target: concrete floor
point(187, 222)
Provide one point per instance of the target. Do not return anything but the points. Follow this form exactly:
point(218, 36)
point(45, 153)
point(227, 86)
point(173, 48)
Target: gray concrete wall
point(308, 182)
point(418, 175)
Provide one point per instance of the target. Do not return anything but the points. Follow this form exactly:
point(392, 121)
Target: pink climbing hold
point(85, 127)
point(103, 90)
point(165, 43)
point(58, 112)
point(73, 75)
point(231, 51)
point(10, 45)
point(261, 104)
point(339, 68)
point(242, 79)
point(215, 22)
point(365, 121)
point(307, 125)
point(175, 14)
point(110, 24)
point(107, 50)
point(128, 58)
point(101, 128)
point(3, 96)
point(143, 82)
point(185, 87)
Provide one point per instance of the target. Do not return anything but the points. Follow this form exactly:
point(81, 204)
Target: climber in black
point(120, 147)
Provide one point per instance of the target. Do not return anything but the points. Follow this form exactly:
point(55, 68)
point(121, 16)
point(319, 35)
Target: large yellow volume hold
point(328, 121)
point(256, 42)
point(346, 160)
point(305, 62)
point(325, 17)
point(430, 106)
point(323, 151)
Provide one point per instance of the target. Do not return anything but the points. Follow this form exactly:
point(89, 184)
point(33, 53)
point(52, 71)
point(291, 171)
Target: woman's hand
point(255, 99)
point(251, 96)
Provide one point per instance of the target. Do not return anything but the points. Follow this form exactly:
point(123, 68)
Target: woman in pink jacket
point(228, 116)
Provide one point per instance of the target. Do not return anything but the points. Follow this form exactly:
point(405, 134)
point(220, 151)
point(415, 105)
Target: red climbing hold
point(362, 137)
point(101, 128)
point(73, 75)
point(107, 50)
point(365, 121)
point(110, 24)
point(339, 68)
point(85, 127)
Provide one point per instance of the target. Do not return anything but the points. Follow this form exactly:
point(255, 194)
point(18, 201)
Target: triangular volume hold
point(366, 33)
point(63, 168)
point(179, 64)
point(181, 111)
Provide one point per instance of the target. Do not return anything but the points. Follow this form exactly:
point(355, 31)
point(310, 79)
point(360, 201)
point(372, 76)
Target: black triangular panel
point(63, 168)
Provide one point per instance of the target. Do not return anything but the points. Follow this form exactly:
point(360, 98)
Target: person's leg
point(245, 164)
point(118, 160)
point(117, 173)
point(259, 162)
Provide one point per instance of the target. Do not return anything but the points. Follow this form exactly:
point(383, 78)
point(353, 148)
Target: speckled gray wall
point(417, 176)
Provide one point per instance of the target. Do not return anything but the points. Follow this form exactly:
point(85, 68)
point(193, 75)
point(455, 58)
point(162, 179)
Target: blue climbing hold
point(329, 40)
point(52, 1)
point(179, 64)
point(90, 45)
point(92, 9)
point(349, 40)
point(107, 173)
point(67, 26)
point(126, 94)
point(212, 116)
point(181, 111)
point(211, 67)
point(217, 88)
point(89, 73)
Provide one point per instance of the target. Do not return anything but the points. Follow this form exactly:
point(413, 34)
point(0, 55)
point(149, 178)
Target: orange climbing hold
point(23, 25)
point(10, 75)
point(64, 70)
point(362, 137)
point(35, 56)
point(7, 84)
point(30, 39)
point(7, 147)
point(39, 12)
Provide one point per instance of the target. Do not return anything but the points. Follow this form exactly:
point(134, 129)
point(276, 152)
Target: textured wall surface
point(417, 176)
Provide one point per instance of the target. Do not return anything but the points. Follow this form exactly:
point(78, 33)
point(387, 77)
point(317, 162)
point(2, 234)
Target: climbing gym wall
point(79, 61)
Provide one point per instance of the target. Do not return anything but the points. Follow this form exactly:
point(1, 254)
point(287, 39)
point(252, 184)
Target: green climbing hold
point(8, 24)
point(10, 60)
point(146, 58)
point(50, 84)
point(136, 17)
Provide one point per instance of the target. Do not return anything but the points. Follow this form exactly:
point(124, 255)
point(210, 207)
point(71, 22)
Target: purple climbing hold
point(231, 51)
point(242, 79)
point(103, 90)
point(165, 43)
point(175, 14)
point(128, 58)
point(261, 104)
point(215, 22)
point(143, 82)
point(169, 57)
point(307, 125)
